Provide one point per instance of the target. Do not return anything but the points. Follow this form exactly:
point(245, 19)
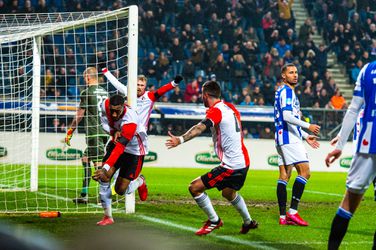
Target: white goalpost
point(42, 58)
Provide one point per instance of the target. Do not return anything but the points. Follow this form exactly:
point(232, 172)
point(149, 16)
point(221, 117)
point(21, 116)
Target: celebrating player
point(363, 166)
point(90, 99)
point(224, 121)
point(145, 99)
point(288, 137)
point(127, 153)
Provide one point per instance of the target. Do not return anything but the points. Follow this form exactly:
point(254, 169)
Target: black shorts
point(130, 165)
point(221, 178)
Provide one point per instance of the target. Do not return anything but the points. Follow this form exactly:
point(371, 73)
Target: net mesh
point(70, 43)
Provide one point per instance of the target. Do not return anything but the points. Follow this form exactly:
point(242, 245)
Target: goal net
point(42, 60)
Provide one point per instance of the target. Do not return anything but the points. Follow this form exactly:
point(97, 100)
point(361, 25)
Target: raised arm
point(115, 82)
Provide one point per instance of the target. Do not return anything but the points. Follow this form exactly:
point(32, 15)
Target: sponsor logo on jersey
point(151, 156)
point(345, 162)
point(3, 152)
point(59, 154)
point(273, 160)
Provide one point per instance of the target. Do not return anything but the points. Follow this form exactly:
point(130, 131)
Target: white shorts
point(289, 154)
point(361, 173)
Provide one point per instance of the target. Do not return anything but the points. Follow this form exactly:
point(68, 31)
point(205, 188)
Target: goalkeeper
point(96, 138)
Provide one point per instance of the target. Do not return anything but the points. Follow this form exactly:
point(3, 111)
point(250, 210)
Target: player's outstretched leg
point(339, 227)
point(297, 192)
point(105, 194)
point(214, 222)
point(85, 184)
point(248, 223)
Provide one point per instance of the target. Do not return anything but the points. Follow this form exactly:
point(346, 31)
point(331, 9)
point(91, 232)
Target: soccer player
point(145, 99)
point(363, 166)
point(288, 138)
point(357, 129)
point(90, 99)
point(126, 153)
point(224, 122)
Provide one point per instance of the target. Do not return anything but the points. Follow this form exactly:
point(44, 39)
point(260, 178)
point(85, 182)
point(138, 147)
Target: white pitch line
point(255, 244)
point(258, 245)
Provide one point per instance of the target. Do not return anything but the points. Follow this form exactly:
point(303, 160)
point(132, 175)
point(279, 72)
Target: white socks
point(133, 185)
point(292, 211)
point(105, 195)
point(240, 205)
point(203, 201)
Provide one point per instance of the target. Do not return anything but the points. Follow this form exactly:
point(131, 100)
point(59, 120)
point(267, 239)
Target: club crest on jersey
point(288, 101)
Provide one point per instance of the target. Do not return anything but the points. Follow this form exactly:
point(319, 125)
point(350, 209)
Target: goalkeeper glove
point(68, 136)
point(177, 80)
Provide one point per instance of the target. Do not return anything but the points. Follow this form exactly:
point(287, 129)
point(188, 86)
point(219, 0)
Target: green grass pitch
point(168, 218)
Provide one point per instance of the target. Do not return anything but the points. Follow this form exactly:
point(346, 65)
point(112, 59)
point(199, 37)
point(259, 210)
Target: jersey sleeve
point(155, 95)
point(215, 115)
point(128, 130)
point(285, 99)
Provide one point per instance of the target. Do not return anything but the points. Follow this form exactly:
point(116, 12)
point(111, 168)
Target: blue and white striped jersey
point(286, 133)
point(365, 87)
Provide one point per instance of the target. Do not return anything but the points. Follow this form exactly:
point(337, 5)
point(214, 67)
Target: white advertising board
point(195, 153)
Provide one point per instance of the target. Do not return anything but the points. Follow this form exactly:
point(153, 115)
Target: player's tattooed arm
point(194, 131)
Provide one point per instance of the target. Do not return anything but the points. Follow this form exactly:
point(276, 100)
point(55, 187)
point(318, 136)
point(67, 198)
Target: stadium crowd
point(242, 44)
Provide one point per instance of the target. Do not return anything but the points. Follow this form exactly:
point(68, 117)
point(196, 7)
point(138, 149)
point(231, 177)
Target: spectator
point(266, 133)
point(177, 56)
point(162, 37)
point(355, 71)
point(267, 91)
point(337, 101)
point(149, 67)
point(306, 30)
point(247, 101)
point(193, 89)
point(176, 96)
point(282, 47)
point(188, 70)
point(163, 65)
point(323, 98)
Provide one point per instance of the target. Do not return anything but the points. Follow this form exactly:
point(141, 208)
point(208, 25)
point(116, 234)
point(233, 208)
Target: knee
point(285, 177)
point(120, 191)
point(193, 189)
point(306, 174)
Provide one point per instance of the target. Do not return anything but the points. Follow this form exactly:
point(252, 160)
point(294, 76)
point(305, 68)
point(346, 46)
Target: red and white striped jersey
point(227, 135)
point(138, 144)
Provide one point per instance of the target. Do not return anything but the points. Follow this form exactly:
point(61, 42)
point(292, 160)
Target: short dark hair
point(212, 88)
point(116, 100)
point(284, 67)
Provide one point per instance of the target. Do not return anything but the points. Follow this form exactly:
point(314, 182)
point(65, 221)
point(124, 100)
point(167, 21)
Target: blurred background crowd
point(242, 44)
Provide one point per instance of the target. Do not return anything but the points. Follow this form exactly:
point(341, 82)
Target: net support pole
point(35, 114)
point(132, 80)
